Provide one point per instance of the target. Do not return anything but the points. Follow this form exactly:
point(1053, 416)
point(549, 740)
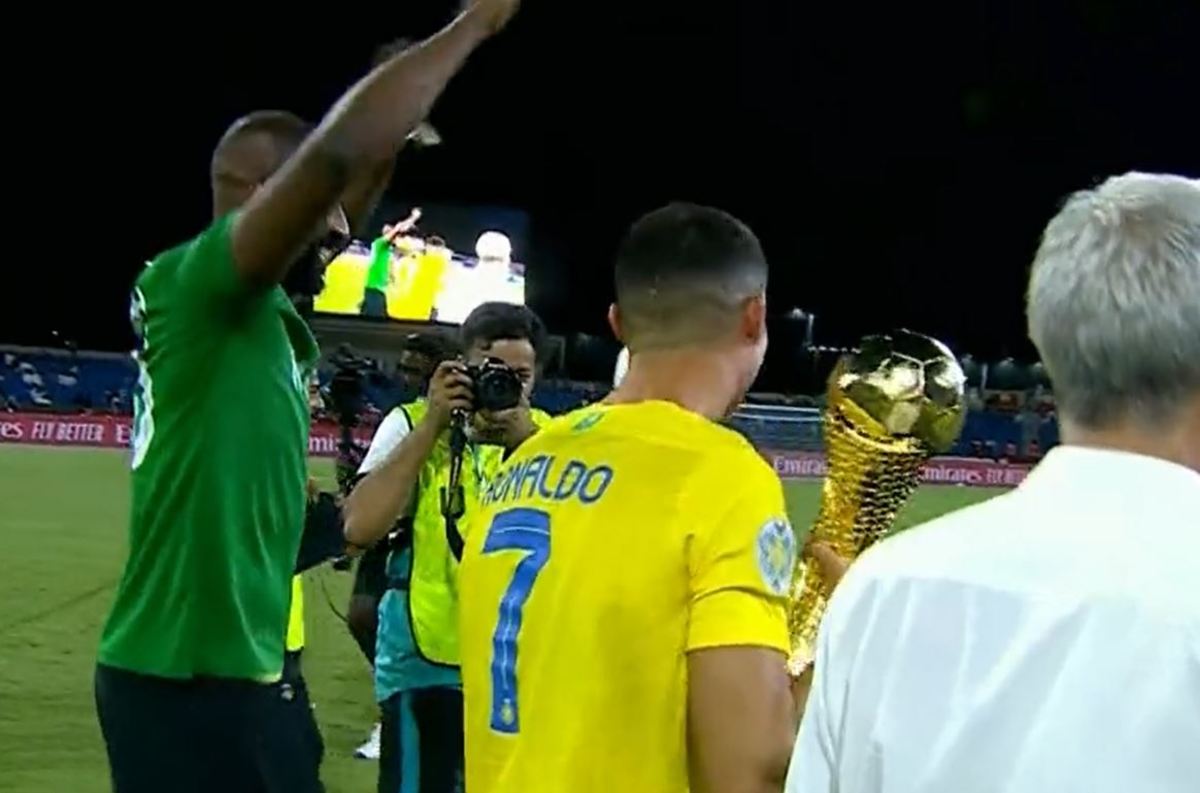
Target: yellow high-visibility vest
point(295, 626)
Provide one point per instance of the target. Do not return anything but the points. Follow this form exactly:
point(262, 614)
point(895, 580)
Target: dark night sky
point(897, 166)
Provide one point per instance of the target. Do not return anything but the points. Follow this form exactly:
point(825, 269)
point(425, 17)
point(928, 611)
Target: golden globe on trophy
point(891, 405)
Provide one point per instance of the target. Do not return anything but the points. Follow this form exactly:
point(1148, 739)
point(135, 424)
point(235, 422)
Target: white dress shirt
point(1045, 641)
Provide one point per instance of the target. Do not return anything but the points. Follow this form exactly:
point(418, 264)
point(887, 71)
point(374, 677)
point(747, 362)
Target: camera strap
point(452, 497)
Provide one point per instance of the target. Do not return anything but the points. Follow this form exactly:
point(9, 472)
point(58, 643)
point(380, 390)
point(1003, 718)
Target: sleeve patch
point(776, 555)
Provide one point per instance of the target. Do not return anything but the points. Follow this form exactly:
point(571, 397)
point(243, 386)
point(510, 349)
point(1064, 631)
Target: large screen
point(449, 261)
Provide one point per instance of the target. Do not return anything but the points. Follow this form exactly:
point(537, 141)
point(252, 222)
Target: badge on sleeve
point(776, 555)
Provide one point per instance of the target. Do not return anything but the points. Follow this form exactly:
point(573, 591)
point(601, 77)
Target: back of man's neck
point(1165, 444)
point(694, 380)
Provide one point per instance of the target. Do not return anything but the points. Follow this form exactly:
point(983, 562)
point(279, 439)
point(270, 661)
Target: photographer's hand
point(449, 390)
point(507, 428)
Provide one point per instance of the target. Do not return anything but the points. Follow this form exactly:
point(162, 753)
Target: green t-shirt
point(381, 262)
point(219, 456)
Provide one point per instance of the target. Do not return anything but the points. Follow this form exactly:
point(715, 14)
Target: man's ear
point(614, 321)
point(754, 318)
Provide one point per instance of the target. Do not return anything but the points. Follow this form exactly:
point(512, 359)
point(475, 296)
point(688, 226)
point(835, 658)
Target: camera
point(495, 385)
point(347, 387)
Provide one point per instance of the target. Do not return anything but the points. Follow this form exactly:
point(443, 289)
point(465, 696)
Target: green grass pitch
point(62, 530)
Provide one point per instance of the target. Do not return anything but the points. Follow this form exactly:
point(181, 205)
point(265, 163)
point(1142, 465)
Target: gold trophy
point(891, 405)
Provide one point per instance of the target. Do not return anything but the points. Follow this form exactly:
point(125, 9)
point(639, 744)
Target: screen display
point(440, 269)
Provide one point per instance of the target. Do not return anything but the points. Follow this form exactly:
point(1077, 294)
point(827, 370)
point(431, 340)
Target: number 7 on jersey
point(525, 530)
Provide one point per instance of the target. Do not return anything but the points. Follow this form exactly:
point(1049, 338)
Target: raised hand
point(404, 226)
point(449, 390)
point(496, 13)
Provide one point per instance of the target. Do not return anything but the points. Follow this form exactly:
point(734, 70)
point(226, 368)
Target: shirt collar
point(1111, 474)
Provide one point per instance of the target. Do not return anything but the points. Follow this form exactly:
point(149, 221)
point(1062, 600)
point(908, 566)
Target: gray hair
point(1114, 300)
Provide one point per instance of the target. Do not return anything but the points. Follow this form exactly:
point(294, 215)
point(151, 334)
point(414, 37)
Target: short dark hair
point(492, 322)
point(681, 270)
point(251, 150)
point(285, 131)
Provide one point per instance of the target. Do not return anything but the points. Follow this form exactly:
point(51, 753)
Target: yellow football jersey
point(609, 545)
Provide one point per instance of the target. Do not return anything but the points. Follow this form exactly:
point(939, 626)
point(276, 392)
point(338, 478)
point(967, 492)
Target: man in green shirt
point(379, 271)
point(195, 638)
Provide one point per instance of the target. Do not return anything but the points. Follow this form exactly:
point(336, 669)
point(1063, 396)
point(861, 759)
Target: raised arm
point(364, 194)
point(366, 190)
point(364, 131)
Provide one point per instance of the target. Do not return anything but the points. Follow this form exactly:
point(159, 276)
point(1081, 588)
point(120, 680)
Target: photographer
point(408, 472)
point(421, 355)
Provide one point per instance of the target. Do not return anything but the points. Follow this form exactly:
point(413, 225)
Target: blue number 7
point(515, 530)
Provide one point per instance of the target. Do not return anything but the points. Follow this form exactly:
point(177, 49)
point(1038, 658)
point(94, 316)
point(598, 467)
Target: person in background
point(418, 360)
point(292, 687)
point(405, 471)
point(421, 278)
point(420, 357)
point(1048, 639)
point(193, 648)
point(489, 277)
point(352, 287)
point(379, 271)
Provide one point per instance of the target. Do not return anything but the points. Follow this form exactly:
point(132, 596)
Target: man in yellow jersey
point(622, 587)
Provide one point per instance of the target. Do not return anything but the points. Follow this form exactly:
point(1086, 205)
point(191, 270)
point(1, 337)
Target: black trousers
point(370, 582)
point(421, 745)
point(208, 735)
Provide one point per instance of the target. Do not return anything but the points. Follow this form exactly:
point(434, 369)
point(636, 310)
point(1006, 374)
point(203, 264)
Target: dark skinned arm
point(364, 131)
point(364, 194)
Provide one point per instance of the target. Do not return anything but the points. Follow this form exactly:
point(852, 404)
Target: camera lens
point(497, 387)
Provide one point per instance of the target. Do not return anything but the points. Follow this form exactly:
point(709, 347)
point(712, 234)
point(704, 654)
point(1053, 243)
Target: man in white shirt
point(1049, 639)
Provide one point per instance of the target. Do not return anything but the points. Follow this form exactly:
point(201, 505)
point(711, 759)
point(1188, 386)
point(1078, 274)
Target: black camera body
point(346, 388)
point(495, 386)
